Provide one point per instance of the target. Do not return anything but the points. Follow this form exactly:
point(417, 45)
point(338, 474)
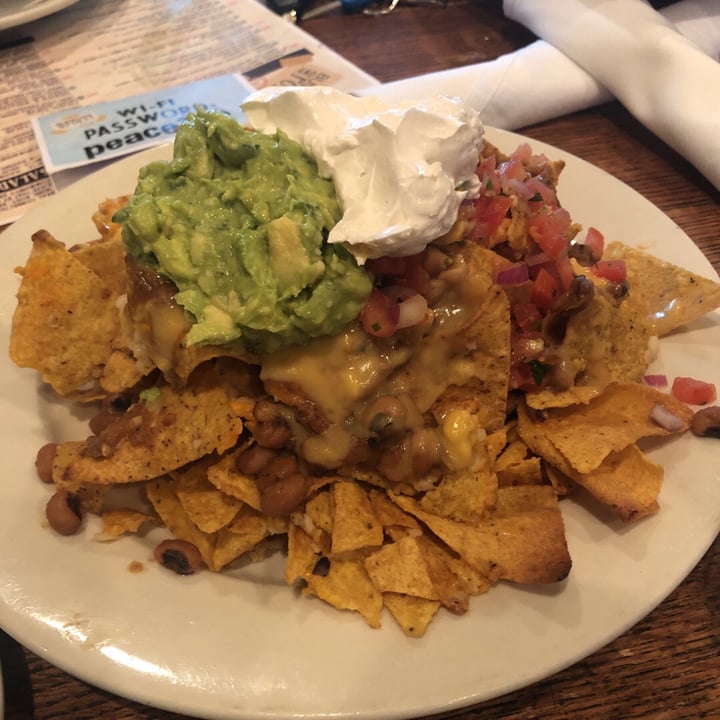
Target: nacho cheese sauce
point(400, 172)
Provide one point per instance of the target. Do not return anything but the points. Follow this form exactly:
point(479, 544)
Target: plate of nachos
point(489, 470)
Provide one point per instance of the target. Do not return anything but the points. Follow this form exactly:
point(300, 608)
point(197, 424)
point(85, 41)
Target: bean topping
point(180, 556)
point(284, 496)
point(271, 430)
point(253, 460)
point(44, 461)
point(706, 422)
point(385, 414)
point(279, 467)
point(63, 513)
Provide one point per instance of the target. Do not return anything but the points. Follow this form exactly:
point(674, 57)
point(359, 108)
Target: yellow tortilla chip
point(627, 481)
point(348, 587)
point(122, 521)
point(241, 536)
point(176, 428)
point(667, 295)
point(400, 567)
point(526, 545)
point(464, 495)
point(303, 554)
point(487, 337)
point(587, 434)
point(413, 614)
point(225, 477)
point(209, 508)
point(171, 512)
point(355, 524)
point(106, 258)
point(65, 320)
point(319, 510)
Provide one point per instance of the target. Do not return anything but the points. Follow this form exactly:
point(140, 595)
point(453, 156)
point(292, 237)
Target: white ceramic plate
point(243, 645)
point(19, 12)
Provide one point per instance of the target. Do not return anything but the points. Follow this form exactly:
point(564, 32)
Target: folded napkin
point(553, 76)
point(665, 80)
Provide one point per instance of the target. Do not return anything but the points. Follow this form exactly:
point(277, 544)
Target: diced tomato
point(565, 272)
point(548, 230)
point(380, 315)
point(595, 242)
point(523, 152)
point(527, 316)
point(490, 211)
point(521, 377)
point(692, 391)
point(545, 288)
point(612, 270)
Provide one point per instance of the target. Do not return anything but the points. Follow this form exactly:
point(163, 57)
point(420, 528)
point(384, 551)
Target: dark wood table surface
point(668, 666)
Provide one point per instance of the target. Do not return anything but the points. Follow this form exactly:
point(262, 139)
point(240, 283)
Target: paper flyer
point(104, 131)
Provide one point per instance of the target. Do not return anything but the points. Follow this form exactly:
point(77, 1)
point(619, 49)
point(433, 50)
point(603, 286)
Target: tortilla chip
point(171, 512)
point(586, 435)
point(177, 427)
point(400, 567)
point(209, 508)
point(303, 554)
point(604, 343)
point(355, 524)
point(523, 472)
point(65, 320)
point(627, 481)
point(413, 614)
point(103, 217)
point(122, 521)
point(524, 544)
point(667, 295)
point(346, 586)
point(106, 258)
point(225, 477)
point(319, 509)
point(487, 339)
point(465, 495)
point(239, 537)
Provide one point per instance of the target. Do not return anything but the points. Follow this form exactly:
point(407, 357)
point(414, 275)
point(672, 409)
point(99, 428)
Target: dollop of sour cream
point(400, 172)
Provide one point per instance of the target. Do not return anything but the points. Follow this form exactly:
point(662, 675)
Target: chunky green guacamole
point(238, 220)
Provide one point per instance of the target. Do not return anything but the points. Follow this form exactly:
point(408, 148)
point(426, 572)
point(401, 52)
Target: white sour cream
point(400, 171)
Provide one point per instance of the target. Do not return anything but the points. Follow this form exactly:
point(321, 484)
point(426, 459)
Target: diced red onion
point(411, 311)
point(665, 419)
point(657, 380)
point(513, 275)
point(537, 259)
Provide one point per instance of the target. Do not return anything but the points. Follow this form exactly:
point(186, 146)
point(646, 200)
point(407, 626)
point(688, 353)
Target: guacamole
point(238, 220)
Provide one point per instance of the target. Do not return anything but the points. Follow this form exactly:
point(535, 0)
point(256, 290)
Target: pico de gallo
point(539, 250)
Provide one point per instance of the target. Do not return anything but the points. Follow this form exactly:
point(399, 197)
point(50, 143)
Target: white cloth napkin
point(661, 66)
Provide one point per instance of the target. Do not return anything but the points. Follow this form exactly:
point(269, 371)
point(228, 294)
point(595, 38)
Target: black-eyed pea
point(706, 422)
point(63, 513)
point(180, 556)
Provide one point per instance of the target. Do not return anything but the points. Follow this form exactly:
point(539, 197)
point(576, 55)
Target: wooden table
point(668, 666)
